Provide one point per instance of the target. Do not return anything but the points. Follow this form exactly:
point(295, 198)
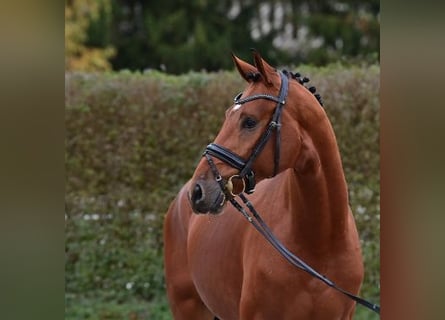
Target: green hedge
point(133, 139)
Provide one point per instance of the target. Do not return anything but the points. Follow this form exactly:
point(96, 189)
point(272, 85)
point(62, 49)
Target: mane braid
point(302, 80)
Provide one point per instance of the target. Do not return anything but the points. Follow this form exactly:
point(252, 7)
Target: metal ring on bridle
point(229, 185)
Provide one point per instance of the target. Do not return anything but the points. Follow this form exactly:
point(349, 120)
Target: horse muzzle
point(206, 196)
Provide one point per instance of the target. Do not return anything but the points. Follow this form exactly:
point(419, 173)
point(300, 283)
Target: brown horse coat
point(217, 264)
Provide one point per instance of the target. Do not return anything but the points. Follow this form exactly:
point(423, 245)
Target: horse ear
point(263, 67)
point(244, 68)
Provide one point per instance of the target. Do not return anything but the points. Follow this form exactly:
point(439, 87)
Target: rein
point(248, 178)
point(259, 224)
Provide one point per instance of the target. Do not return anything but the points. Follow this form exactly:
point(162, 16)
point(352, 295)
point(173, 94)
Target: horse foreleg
point(185, 302)
point(189, 306)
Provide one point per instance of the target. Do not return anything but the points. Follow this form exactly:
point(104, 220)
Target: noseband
point(245, 166)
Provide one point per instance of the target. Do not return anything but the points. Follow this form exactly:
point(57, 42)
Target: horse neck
point(321, 202)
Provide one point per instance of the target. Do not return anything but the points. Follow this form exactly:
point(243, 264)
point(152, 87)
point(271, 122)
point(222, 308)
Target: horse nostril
point(197, 193)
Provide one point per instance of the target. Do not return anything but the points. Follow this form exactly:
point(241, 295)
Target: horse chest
point(215, 259)
point(232, 266)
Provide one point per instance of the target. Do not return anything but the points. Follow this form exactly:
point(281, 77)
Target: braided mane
point(303, 80)
point(255, 76)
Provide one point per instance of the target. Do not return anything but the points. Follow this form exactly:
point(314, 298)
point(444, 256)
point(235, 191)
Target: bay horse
point(217, 266)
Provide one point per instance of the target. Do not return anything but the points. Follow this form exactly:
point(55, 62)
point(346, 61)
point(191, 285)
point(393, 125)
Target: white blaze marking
point(237, 106)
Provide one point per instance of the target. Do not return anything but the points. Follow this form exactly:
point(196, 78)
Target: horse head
point(260, 137)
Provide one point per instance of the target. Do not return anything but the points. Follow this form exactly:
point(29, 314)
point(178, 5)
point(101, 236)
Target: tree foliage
point(178, 35)
point(81, 16)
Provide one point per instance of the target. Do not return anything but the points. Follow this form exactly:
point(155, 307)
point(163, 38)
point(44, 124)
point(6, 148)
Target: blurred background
point(177, 36)
point(146, 87)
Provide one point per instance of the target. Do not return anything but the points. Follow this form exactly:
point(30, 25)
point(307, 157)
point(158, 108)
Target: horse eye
point(249, 123)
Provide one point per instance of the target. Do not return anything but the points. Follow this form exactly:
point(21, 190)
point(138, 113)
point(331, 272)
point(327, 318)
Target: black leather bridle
point(247, 175)
point(245, 166)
